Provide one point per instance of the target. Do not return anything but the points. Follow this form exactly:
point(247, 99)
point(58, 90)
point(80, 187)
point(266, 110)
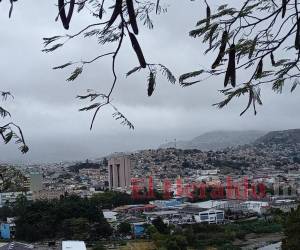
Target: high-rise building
point(36, 182)
point(119, 172)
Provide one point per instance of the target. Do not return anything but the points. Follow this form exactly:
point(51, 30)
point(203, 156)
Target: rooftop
point(73, 245)
point(209, 204)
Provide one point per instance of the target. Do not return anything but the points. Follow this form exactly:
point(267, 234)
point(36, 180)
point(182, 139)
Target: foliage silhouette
point(10, 131)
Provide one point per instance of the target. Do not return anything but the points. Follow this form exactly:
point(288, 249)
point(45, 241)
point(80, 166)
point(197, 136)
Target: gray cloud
point(46, 108)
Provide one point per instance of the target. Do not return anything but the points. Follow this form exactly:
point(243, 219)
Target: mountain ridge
point(289, 136)
point(216, 140)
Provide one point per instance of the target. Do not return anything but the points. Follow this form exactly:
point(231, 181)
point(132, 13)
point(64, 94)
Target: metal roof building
point(15, 246)
point(73, 245)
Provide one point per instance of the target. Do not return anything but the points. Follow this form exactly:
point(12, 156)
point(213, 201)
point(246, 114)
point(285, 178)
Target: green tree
point(100, 229)
point(105, 162)
point(160, 225)
point(6, 211)
point(292, 231)
point(150, 230)
point(76, 228)
point(10, 131)
point(181, 241)
point(171, 245)
point(249, 37)
point(70, 217)
point(124, 228)
point(189, 234)
point(98, 246)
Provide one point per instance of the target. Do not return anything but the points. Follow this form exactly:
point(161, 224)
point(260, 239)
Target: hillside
point(11, 179)
point(291, 136)
point(218, 140)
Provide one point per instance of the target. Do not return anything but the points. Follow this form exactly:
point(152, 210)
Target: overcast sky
point(46, 108)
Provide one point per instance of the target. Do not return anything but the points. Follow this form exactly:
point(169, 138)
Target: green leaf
point(8, 137)
point(295, 84)
point(151, 83)
point(54, 47)
point(93, 106)
point(75, 74)
point(200, 31)
point(63, 66)
point(92, 96)
point(81, 6)
point(230, 94)
point(166, 72)
point(259, 70)
point(190, 75)
point(252, 47)
point(4, 112)
point(278, 85)
point(222, 7)
point(118, 115)
point(48, 40)
point(24, 149)
point(135, 69)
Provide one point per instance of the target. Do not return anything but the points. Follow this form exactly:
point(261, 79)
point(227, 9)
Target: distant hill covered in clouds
point(290, 136)
point(216, 140)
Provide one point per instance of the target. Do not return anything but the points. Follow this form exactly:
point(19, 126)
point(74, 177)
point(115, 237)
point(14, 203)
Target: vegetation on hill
point(12, 180)
point(292, 231)
point(200, 236)
point(75, 168)
point(70, 217)
point(216, 140)
point(290, 136)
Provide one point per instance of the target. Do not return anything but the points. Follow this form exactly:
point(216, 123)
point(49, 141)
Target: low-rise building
point(8, 228)
point(258, 207)
point(73, 245)
point(11, 197)
point(47, 194)
point(16, 246)
point(211, 216)
point(285, 205)
point(110, 216)
point(92, 173)
point(138, 229)
point(167, 203)
point(211, 204)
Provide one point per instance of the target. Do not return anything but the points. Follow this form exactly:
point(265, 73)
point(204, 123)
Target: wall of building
point(11, 197)
point(210, 216)
point(5, 231)
point(119, 172)
point(36, 182)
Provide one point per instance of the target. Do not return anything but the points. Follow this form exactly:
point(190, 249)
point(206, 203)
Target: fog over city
point(44, 104)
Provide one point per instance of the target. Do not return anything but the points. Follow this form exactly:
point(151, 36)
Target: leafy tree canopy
point(124, 228)
point(292, 230)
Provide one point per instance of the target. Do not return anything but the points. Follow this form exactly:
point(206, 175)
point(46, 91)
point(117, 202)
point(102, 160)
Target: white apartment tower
point(36, 182)
point(119, 172)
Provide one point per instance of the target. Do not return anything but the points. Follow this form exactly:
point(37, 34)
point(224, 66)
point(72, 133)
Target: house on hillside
point(73, 245)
